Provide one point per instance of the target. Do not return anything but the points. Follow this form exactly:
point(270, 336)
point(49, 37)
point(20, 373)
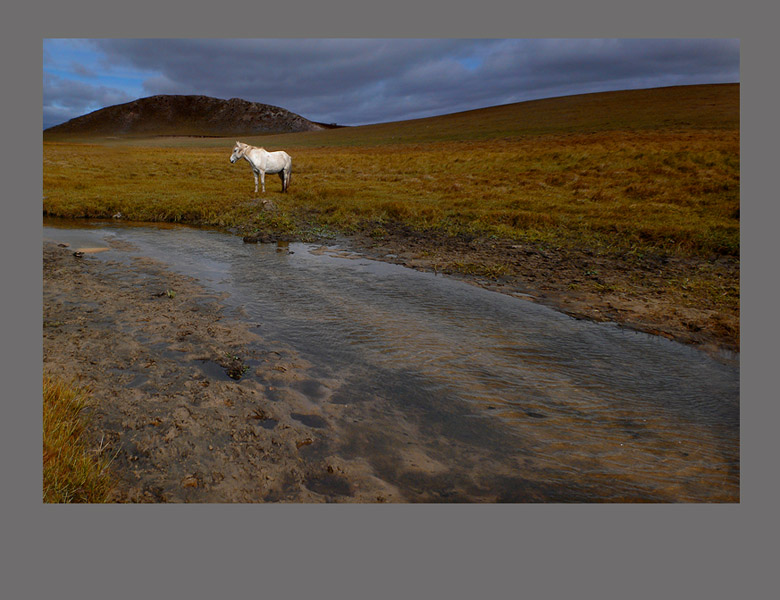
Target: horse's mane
point(249, 145)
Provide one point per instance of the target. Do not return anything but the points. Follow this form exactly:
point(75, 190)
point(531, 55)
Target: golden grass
point(627, 174)
point(613, 191)
point(72, 470)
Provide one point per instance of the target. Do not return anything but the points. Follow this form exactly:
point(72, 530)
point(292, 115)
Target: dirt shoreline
point(212, 430)
point(187, 399)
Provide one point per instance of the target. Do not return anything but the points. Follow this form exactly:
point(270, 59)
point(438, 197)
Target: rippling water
point(456, 393)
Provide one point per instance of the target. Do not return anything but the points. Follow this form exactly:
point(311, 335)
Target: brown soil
point(212, 430)
point(631, 291)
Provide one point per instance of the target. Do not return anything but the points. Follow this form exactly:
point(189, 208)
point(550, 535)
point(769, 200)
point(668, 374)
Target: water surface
point(454, 393)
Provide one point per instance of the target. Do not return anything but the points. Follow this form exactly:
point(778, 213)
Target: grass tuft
point(73, 471)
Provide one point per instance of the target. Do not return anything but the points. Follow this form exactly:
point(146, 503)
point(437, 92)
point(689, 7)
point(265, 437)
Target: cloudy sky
point(361, 81)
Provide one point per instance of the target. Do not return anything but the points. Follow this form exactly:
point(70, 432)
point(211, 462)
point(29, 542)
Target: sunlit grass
point(72, 470)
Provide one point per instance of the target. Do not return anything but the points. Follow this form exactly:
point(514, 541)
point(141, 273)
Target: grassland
point(72, 470)
point(641, 179)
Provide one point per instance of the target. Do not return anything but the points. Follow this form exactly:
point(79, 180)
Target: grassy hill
point(699, 107)
point(548, 169)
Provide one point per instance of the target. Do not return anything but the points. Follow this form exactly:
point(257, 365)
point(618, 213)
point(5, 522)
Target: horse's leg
point(255, 174)
point(281, 176)
point(262, 180)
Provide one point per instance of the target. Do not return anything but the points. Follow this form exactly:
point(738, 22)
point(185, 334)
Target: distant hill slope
point(693, 107)
point(184, 115)
point(675, 108)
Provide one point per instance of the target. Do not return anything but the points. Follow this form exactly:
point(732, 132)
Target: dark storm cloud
point(64, 99)
point(321, 79)
point(353, 81)
point(515, 70)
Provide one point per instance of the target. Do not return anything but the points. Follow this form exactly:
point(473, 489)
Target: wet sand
point(202, 432)
point(195, 406)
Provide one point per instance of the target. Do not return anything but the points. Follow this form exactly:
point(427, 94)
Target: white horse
point(263, 162)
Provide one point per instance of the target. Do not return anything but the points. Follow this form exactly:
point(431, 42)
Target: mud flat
point(187, 400)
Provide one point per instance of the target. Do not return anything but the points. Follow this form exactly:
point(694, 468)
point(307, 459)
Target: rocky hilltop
point(185, 115)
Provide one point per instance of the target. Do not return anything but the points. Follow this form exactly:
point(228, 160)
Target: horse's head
point(238, 152)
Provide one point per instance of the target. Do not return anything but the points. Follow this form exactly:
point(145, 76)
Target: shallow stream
point(454, 393)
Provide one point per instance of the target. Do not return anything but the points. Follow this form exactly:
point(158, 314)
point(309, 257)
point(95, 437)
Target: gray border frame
point(382, 551)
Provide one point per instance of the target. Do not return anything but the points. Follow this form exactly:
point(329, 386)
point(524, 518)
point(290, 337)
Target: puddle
point(329, 485)
point(212, 370)
point(310, 420)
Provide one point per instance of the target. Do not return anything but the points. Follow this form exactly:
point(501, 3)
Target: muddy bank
point(188, 410)
point(195, 406)
point(631, 291)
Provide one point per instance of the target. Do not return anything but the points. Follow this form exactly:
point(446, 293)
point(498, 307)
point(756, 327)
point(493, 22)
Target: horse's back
point(272, 162)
